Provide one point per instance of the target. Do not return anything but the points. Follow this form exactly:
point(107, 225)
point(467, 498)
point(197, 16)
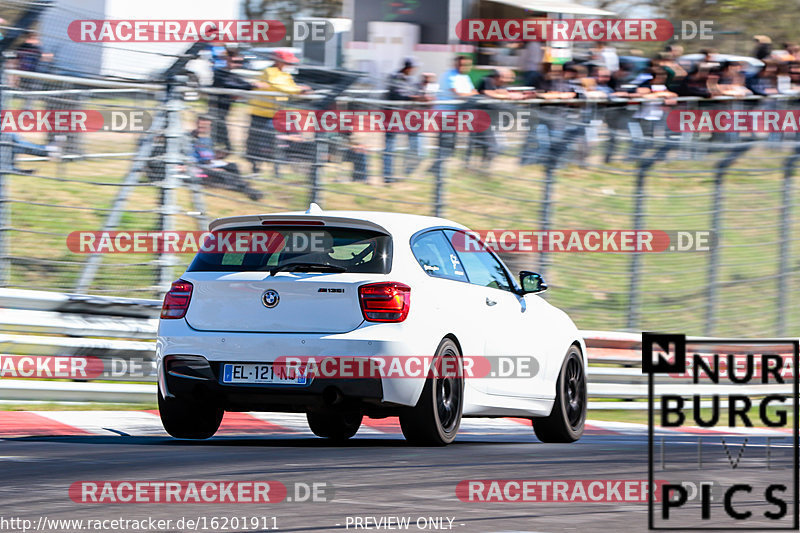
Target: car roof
point(396, 224)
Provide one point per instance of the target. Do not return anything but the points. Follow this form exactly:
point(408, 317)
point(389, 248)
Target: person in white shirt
point(455, 84)
point(607, 56)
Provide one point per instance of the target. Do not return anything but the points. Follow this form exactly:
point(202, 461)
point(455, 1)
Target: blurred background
point(597, 154)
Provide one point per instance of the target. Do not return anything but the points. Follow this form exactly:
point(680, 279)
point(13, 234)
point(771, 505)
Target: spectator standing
point(530, 63)
point(219, 105)
point(31, 58)
point(764, 82)
point(455, 84)
point(783, 79)
point(728, 80)
point(656, 95)
point(556, 86)
point(763, 47)
point(29, 55)
point(668, 60)
point(428, 86)
point(403, 87)
point(495, 86)
point(607, 56)
point(602, 84)
point(261, 136)
point(696, 82)
point(355, 153)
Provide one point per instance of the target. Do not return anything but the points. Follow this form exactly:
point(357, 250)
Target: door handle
point(490, 302)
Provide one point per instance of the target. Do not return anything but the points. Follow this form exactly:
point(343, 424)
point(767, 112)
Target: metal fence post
point(438, 190)
point(716, 227)
point(784, 237)
point(546, 212)
point(172, 158)
point(6, 162)
point(635, 272)
point(313, 173)
point(442, 153)
point(713, 262)
point(559, 145)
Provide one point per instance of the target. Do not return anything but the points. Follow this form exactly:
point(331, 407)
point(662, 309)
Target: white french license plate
point(262, 373)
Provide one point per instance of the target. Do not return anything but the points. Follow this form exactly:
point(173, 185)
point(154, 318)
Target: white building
point(125, 60)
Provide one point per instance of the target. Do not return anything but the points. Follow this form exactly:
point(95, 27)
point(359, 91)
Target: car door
point(492, 289)
point(455, 305)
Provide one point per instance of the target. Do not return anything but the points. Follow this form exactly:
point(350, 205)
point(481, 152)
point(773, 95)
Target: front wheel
point(566, 420)
point(335, 426)
point(186, 419)
point(434, 421)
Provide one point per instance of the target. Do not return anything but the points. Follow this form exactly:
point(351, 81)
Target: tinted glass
point(437, 257)
point(354, 250)
point(483, 268)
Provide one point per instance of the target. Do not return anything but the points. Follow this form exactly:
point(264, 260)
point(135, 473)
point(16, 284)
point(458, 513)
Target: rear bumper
point(319, 394)
point(372, 340)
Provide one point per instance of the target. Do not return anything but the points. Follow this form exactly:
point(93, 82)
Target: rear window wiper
point(308, 267)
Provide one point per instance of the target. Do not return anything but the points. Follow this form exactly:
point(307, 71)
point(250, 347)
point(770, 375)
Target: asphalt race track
point(374, 475)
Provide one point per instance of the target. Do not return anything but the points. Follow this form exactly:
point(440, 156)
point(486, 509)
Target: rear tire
point(186, 419)
point(566, 421)
point(435, 420)
point(334, 426)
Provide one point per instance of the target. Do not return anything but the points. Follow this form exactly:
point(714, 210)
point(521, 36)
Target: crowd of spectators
point(654, 83)
point(597, 74)
point(601, 74)
point(605, 75)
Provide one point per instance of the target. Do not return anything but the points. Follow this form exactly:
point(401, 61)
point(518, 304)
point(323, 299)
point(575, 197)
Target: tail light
point(176, 301)
point(385, 301)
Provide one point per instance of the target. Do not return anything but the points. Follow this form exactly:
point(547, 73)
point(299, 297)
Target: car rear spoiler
point(292, 219)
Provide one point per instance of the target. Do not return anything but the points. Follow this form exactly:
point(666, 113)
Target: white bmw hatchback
point(370, 285)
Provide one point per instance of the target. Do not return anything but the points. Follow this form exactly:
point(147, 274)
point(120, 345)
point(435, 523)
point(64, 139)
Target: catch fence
point(585, 165)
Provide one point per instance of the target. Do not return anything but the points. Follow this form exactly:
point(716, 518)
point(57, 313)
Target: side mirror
point(531, 282)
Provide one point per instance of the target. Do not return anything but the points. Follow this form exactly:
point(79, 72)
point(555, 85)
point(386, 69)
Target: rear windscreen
point(352, 250)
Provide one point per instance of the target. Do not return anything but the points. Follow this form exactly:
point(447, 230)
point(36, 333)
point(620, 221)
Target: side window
point(483, 268)
point(437, 257)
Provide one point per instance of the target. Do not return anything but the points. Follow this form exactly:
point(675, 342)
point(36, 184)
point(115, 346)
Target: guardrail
point(112, 328)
